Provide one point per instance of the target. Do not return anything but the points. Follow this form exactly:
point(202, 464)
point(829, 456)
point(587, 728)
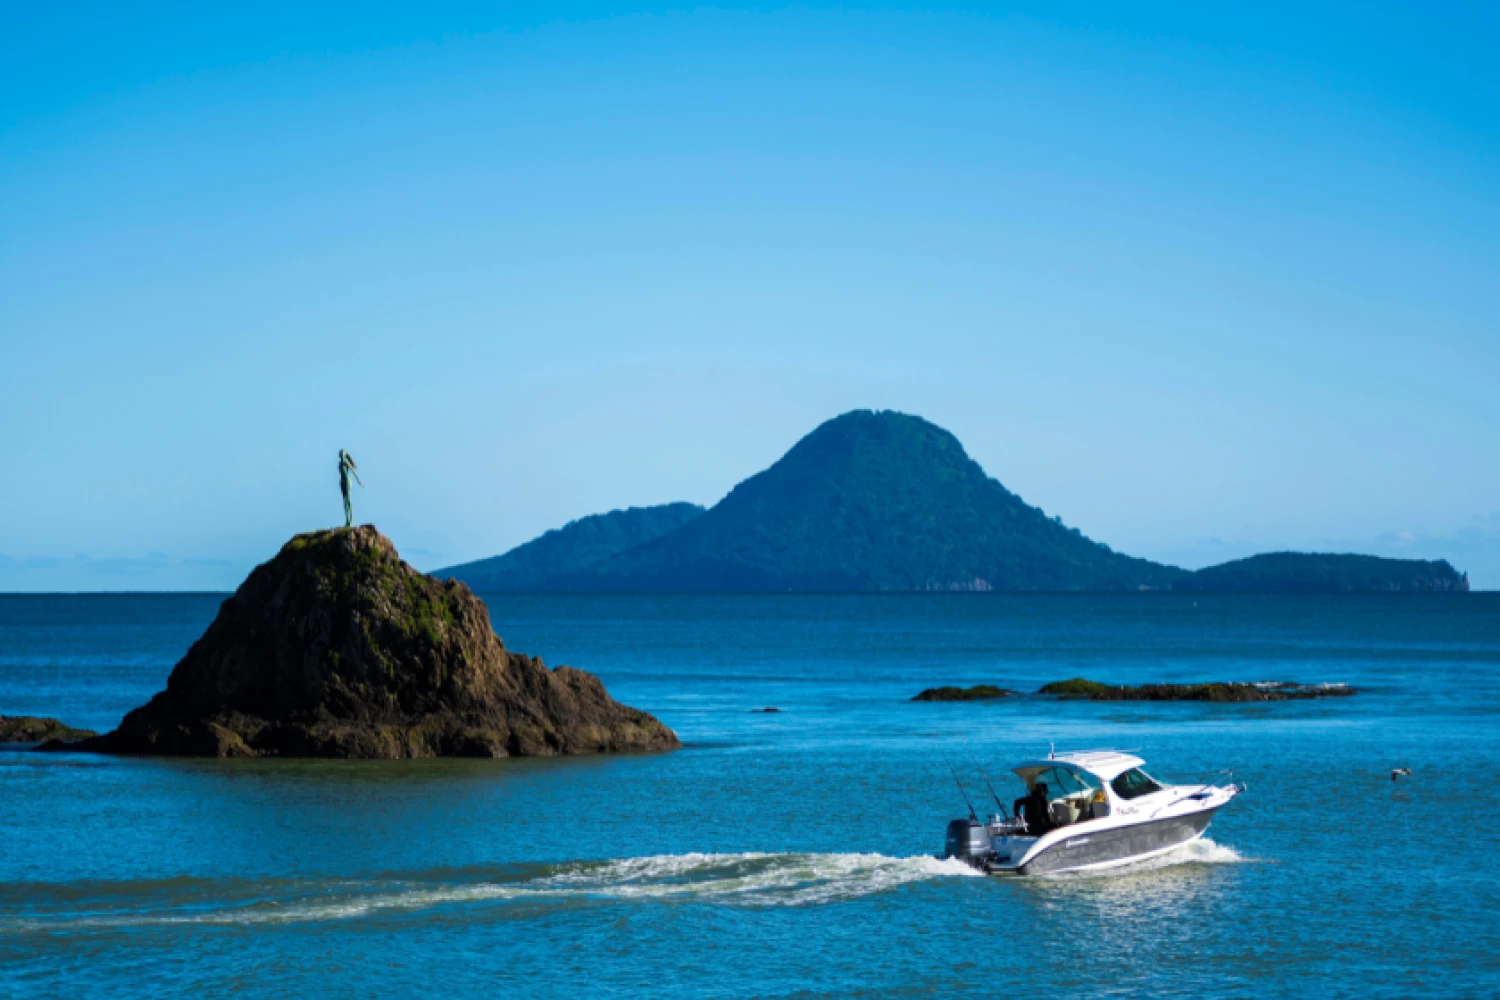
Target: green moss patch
point(979, 692)
point(1077, 688)
point(1216, 691)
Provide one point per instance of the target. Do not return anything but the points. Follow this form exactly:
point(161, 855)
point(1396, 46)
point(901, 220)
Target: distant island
point(885, 501)
point(1311, 573)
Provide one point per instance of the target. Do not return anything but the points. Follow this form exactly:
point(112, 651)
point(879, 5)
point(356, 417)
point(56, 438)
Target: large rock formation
point(337, 648)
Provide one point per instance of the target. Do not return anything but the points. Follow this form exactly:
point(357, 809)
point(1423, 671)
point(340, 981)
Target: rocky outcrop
point(37, 729)
point(338, 648)
point(1079, 688)
point(979, 692)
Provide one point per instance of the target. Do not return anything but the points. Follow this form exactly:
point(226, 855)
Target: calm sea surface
point(780, 855)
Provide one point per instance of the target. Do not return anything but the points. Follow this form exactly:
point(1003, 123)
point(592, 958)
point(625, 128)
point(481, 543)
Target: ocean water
point(787, 854)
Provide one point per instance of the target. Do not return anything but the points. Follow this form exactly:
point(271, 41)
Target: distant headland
point(885, 501)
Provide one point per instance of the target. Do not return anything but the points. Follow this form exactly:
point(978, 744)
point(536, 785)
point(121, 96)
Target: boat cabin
point(1070, 788)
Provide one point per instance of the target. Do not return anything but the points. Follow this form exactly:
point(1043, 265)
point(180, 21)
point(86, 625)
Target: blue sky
point(1201, 282)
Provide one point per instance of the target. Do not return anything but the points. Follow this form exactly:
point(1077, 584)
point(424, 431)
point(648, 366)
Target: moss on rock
point(1216, 691)
point(1076, 688)
point(37, 729)
point(979, 692)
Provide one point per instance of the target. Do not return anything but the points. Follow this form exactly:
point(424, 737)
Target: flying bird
point(1399, 772)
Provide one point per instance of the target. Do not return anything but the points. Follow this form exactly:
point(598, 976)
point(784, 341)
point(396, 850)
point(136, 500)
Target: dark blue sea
point(786, 854)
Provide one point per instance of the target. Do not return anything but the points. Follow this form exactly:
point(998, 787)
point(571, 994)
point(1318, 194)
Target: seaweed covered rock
point(1219, 691)
point(338, 648)
point(979, 692)
point(37, 729)
point(1078, 687)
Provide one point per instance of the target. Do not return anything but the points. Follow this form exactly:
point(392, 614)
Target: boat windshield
point(1064, 781)
point(1134, 783)
point(1072, 796)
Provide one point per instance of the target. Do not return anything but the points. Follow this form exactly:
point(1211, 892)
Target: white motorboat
point(1086, 811)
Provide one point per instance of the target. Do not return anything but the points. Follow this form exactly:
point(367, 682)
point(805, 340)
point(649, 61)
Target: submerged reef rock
point(979, 692)
point(36, 729)
point(338, 648)
point(1078, 688)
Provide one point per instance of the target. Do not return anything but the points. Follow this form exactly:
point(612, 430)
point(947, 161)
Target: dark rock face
point(338, 648)
point(36, 729)
point(979, 692)
point(1220, 692)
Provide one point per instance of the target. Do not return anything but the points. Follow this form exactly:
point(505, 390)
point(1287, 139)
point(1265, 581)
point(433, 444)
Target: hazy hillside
point(873, 501)
point(885, 501)
point(1292, 572)
point(573, 547)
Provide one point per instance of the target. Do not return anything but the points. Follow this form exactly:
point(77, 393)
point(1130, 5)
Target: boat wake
point(748, 880)
point(1198, 852)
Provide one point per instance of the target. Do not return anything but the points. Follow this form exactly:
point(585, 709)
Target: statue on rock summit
point(347, 468)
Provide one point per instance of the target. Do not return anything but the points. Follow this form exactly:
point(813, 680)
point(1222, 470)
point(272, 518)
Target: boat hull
point(1119, 845)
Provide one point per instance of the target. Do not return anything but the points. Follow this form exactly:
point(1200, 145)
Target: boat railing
point(1202, 787)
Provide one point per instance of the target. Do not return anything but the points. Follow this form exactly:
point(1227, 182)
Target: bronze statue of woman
point(346, 468)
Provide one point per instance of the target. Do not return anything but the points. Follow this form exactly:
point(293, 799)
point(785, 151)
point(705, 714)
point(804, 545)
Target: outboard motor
point(968, 840)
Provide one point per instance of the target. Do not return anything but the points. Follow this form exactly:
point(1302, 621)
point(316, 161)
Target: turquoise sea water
point(789, 854)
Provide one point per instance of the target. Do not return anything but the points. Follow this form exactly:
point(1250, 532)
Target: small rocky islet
point(338, 648)
point(38, 729)
point(1216, 691)
point(1080, 689)
point(979, 692)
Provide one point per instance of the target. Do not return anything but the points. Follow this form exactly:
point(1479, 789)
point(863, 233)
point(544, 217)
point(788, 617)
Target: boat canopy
point(1102, 764)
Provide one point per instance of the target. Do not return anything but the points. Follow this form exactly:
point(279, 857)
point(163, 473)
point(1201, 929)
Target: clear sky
point(1201, 281)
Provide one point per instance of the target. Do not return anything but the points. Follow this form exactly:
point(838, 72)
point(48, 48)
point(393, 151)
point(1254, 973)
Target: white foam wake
point(1204, 852)
point(728, 879)
point(755, 879)
point(1196, 852)
point(1199, 852)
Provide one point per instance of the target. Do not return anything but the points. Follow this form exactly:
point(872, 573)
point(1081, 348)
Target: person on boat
point(1033, 809)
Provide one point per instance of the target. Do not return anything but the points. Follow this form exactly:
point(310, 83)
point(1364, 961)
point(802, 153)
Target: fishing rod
point(1001, 805)
point(961, 791)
